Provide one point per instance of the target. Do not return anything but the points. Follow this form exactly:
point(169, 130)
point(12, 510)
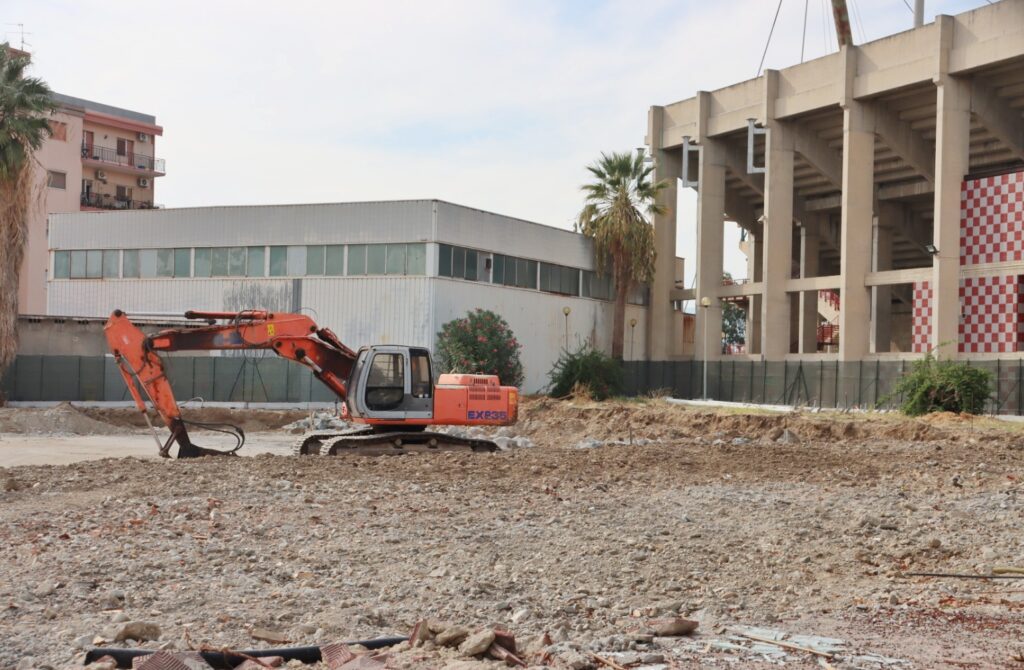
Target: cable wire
point(770, 33)
point(803, 39)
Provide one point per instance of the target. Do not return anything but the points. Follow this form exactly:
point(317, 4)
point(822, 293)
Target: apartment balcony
point(108, 201)
point(133, 162)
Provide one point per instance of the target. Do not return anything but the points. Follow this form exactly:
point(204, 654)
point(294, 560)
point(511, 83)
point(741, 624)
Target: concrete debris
point(268, 635)
point(265, 661)
point(166, 660)
point(672, 627)
point(477, 643)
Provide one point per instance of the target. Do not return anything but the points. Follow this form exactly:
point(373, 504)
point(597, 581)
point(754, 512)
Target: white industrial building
point(374, 272)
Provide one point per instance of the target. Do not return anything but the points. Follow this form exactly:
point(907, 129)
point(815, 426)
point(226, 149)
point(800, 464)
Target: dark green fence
point(238, 379)
point(835, 384)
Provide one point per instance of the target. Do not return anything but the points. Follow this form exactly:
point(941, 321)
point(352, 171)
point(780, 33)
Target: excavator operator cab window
point(422, 383)
point(385, 384)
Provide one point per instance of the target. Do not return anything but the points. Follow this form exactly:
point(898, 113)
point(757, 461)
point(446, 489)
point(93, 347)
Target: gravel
point(589, 545)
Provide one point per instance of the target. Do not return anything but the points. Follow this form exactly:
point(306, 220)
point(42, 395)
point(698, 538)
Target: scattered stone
point(672, 627)
point(138, 630)
point(477, 643)
point(452, 636)
point(521, 615)
point(268, 635)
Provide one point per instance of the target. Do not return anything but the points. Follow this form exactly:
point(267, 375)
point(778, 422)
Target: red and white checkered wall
point(991, 231)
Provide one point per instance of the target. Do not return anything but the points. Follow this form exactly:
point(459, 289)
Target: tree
point(613, 215)
point(25, 106)
point(480, 343)
point(734, 322)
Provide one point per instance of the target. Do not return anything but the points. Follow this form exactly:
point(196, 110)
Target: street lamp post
point(565, 311)
point(705, 302)
point(632, 331)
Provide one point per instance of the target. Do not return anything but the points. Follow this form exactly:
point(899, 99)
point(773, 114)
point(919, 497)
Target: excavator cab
point(392, 383)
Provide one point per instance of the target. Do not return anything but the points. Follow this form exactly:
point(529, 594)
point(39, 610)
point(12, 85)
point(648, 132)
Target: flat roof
point(104, 109)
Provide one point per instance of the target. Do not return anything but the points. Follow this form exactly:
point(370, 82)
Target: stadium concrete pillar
point(778, 243)
point(810, 248)
point(890, 215)
point(660, 317)
point(952, 153)
point(753, 339)
point(856, 219)
point(710, 232)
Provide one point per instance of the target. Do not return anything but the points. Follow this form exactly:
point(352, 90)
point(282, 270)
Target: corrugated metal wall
point(355, 223)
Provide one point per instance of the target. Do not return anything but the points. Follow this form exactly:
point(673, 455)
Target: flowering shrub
point(480, 343)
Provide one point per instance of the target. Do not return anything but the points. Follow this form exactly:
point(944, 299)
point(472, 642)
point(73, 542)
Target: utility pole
point(918, 13)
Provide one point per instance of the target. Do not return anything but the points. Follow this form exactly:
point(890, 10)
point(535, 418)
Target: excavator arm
point(292, 336)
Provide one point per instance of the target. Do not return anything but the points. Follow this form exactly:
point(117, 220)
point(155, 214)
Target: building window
point(204, 262)
point(62, 265)
point(395, 264)
point(356, 259)
point(59, 130)
point(315, 260)
point(165, 262)
point(512, 271)
point(130, 263)
point(335, 262)
point(376, 255)
point(255, 266)
point(183, 262)
point(124, 194)
point(444, 260)
point(416, 259)
point(56, 179)
point(597, 286)
point(278, 261)
point(639, 294)
point(111, 263)
point(296, 261)
point(236, 261)
point(78, 265)
point(559, 279)
point(219, 264)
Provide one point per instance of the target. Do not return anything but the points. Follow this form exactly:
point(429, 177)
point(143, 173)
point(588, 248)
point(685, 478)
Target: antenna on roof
point(22, 33)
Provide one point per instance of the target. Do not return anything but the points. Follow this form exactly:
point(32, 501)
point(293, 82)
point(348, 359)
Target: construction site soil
point(622, 511)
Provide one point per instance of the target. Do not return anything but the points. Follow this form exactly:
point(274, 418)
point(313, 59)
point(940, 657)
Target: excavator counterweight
point(388, 389)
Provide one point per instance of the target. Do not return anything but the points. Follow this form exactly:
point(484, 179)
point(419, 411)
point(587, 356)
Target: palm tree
point(25, 106)
point(614, 216)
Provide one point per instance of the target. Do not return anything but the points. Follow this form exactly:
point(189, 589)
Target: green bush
point(480, 343)
point(943, 386)
point(586, 368)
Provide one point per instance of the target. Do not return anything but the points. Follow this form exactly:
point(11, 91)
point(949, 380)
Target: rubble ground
point(623, 511)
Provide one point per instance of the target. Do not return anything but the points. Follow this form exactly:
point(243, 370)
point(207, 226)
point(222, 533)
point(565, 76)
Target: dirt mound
point(249, 420)
point(558, 423)
point(62, 418)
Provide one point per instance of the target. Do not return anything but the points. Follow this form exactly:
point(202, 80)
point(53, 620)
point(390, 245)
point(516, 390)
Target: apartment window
point(130, 263)
point(203, 262)
point(124, 194)
point(111, 264)
point(278, 261)
point(236, 261)
point(56, 179)
point(356, 259)
point(122, 146)
point(376, 255)
point(62, 265)
point(315, 260)
point(254, 266)
point(219, 265)
point(147, 263)
point(335, 260)
point(59, 130)
point(182, 262)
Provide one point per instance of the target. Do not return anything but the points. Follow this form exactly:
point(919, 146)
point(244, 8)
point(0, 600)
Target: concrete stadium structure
point(886, 177)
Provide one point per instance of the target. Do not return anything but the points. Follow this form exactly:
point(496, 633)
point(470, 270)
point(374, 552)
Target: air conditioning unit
point(101, 175)
point(143, 137)
point(143, 182)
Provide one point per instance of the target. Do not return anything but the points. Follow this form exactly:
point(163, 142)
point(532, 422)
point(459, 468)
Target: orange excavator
point(388, 391)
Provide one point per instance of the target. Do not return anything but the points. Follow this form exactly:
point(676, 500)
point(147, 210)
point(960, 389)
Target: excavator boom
point(292, 336)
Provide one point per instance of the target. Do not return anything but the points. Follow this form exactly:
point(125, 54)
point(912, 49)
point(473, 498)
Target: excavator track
point(366, 442)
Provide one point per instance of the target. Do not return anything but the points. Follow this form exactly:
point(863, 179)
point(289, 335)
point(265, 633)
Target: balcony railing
point(107, 201)
point(130, 159)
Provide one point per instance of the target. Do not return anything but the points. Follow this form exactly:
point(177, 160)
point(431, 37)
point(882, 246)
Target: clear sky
point(489, 103)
